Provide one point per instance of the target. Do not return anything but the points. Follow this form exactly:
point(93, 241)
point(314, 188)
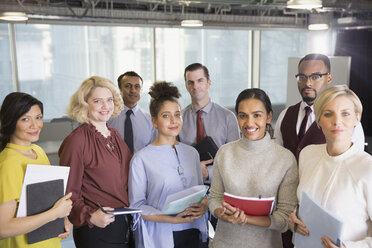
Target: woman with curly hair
point(164, 167)
point(99, 162)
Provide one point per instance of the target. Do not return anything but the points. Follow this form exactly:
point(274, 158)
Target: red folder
point(256, 206)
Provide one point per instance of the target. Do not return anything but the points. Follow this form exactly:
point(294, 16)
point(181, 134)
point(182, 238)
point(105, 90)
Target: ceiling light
point(13, 16)
point(319, 21)
point(192, 23)
point(304, 4)
point(346, 20)
point(317, 26)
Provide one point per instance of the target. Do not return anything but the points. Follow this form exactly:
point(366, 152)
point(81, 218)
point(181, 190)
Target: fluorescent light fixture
point(318, 26)
point(13, 16)
point(192, 23)
point(346, 20)
point(304, 4)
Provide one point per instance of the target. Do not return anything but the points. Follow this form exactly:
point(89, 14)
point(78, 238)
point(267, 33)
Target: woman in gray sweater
point(250, 167)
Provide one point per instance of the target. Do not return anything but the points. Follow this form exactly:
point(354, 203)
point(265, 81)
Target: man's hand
point(203, 166)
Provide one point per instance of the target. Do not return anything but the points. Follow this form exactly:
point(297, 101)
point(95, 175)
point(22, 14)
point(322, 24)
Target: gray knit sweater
point(252, 168)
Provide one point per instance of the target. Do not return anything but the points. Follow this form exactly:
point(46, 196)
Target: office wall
point(357, 44)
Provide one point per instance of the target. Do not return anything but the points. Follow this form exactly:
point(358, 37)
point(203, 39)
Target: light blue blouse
point(153, 175)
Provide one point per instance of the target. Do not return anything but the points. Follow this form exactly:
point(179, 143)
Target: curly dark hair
point(161, 92)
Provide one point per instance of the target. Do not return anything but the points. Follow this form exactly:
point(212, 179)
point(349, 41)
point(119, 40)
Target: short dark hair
point(14, 106)
point(259, 95)
point(128, 74)
point(194, 67)
point(317, 56)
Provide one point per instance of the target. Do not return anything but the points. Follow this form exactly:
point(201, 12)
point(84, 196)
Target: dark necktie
point(301, 133)
point(128, 130)
point(200, 132)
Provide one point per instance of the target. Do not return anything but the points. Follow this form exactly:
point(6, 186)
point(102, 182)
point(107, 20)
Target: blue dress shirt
point(219, 123)
point(143, 131)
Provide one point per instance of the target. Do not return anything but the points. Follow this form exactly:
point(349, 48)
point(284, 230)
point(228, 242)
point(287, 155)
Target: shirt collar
point(135, 109)
point(206, 109)
point(304, 104)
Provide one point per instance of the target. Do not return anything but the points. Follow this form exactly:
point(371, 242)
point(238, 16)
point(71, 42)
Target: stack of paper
point(319, 222)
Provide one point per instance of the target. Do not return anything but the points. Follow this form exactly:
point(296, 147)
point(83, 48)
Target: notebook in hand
point(178, 202)
point(41, 197)
point(207, 148)
point(120, 211)
point(255, 206)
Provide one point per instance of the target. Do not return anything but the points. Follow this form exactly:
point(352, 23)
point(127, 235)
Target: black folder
point(207, 148)
point(41, 197)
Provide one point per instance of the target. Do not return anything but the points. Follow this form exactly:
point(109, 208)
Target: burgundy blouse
point(98, 171)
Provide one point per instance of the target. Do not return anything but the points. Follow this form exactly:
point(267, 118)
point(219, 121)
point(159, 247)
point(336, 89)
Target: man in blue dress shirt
point(143, 132)
point(219, 122)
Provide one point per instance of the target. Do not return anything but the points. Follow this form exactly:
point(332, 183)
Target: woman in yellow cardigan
point(21, 118)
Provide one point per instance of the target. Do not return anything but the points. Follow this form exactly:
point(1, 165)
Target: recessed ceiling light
point(318, 26)
point(192, 23)
point(13, 16)
point(304, 4)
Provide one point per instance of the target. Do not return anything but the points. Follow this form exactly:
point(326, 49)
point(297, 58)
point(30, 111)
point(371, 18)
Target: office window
point(224, 52)
point(53, 60)
point(6, 84)
point(276, 48)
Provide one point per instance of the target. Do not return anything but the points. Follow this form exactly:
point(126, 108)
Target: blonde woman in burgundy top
point(99, 161)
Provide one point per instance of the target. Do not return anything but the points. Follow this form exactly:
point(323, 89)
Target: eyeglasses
point(181, 173)
point(301, 78)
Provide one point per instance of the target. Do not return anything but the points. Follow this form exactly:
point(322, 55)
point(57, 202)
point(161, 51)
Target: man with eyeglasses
point(294, 128)
point(133, 123)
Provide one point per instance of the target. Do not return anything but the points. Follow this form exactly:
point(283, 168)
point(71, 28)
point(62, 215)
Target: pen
point(100, 207)
point(210, 155)
point(295, 224)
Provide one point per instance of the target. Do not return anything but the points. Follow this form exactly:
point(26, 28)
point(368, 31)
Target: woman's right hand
point(301, 228)
point(101, 219)
point(63, 206)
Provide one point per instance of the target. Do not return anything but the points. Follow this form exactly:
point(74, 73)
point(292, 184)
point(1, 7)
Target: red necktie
point(301, 133)
point(200, 132)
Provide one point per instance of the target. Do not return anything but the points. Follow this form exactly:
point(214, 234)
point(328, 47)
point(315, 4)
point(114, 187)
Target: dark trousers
point(287, 239)
point(187, 238)
point(115, 235)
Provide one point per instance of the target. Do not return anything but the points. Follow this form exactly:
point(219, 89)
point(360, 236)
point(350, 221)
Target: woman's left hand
point(198, 209)
point(238, 215)
point(68, 226)
point(327, 243)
